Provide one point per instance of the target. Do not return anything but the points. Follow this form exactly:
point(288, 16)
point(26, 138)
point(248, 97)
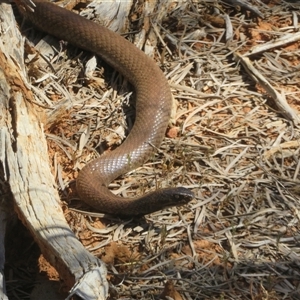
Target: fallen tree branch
point(26, 169)
point(279, 100)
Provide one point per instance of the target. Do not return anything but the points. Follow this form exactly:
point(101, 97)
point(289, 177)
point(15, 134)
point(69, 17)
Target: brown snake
point(153, 106)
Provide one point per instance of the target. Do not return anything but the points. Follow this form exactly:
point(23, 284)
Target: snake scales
point(153, 106)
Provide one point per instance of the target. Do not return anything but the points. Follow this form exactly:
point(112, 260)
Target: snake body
point(153, 106)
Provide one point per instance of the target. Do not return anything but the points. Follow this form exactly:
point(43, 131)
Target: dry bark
point(25, 164)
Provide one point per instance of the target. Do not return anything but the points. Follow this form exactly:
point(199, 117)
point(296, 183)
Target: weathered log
point(26, 169)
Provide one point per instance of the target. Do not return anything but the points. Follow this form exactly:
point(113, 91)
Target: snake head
point(157, 200)
point(176, 196)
